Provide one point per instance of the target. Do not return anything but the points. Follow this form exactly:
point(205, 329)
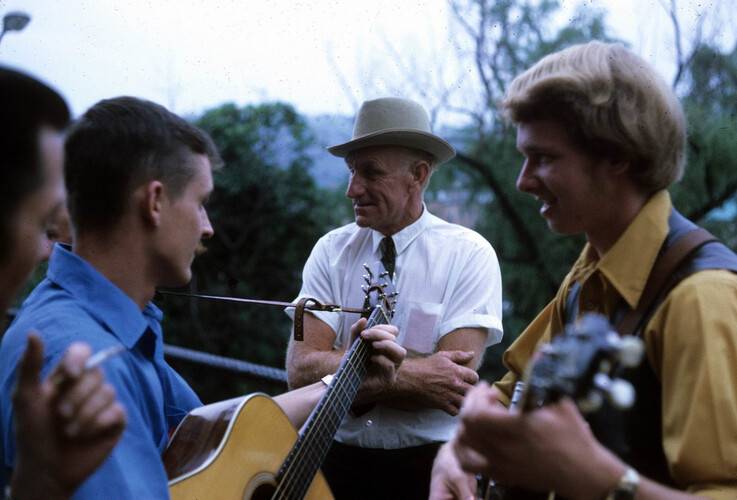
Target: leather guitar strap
point(663, 269)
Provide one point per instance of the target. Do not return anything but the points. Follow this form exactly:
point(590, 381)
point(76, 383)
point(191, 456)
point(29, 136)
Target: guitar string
point(299, 463)
point(300, 472)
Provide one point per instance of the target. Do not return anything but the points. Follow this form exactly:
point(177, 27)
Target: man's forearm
point(404, 393)
point(438, 382)
point(299, 403)
point(311, 367)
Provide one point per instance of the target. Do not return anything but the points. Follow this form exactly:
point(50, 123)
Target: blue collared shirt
point(77, 303)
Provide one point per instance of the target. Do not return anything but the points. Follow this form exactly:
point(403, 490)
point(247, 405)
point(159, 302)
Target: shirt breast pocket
point(421, 321)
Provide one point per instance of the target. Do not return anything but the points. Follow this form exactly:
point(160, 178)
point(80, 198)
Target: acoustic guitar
point(579, 364)
point(246, 448)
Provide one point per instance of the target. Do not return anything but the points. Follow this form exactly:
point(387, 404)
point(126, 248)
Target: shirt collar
point(403, 238)
point(628, 262)
point(100, 297)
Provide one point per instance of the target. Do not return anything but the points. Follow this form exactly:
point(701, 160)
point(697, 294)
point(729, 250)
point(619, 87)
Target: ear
point(619, 168)
point(153, 197)
point(419, 172)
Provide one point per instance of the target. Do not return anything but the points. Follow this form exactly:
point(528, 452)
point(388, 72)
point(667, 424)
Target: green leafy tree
point(508, 37)
point(267, 214)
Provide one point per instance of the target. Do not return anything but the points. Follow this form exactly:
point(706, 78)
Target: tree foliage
point(267, 214)
point(510, 36)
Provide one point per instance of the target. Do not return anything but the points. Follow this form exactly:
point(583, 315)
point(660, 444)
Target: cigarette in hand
point(93, 361)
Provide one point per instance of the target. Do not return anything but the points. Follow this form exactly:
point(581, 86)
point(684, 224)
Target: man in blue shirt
point(137, 177)
point(67, 423)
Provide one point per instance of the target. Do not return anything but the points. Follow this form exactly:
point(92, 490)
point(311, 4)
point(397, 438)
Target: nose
point(207, 230)
point(527, 181)
point(355, 187)
point(46, 246)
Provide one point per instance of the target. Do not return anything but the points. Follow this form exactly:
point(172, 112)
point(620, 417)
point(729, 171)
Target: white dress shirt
point(447, 277)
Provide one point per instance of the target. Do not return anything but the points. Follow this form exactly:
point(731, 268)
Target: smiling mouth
point(546, 204)
point(201, 248)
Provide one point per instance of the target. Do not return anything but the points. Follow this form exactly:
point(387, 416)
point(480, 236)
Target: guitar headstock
point(579, 363)
point(379, 289)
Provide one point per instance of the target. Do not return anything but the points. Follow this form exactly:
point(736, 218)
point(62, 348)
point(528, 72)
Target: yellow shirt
point(691, 344)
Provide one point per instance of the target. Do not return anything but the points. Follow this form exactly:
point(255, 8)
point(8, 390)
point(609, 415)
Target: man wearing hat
point(448, 309)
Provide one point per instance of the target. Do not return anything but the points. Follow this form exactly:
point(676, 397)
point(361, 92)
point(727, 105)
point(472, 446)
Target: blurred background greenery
point(279, 191)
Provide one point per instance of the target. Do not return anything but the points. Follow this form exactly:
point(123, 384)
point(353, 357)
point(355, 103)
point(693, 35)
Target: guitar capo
point(314, 305)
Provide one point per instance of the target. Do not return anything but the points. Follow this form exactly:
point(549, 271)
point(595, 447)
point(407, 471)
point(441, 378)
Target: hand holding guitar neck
point(578, 364)
point(247, 448)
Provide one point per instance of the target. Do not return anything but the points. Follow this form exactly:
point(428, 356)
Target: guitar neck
point(312, 446)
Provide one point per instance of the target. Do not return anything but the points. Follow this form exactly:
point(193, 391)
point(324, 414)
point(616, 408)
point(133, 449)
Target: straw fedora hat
point(392, 121)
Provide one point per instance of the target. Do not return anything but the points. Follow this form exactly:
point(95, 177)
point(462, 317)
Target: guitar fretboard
point(301, 466)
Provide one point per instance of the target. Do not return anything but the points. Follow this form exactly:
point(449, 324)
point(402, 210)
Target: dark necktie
point(388, 255)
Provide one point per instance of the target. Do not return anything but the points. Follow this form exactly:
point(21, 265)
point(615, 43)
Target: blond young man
point(603, 137)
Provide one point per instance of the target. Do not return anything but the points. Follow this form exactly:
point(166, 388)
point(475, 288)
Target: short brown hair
point(614, 103)
point(119, 144)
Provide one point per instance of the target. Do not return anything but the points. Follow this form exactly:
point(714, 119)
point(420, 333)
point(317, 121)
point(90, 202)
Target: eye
point(49, 226)
point(539, 158)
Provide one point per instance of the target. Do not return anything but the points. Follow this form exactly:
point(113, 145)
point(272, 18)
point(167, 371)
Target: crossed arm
point(437, 381)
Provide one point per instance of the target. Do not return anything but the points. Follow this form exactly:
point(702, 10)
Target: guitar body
point(233, 450)
point(246, 448)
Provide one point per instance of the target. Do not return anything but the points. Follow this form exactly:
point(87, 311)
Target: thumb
point(459, 357)
point(29, 367)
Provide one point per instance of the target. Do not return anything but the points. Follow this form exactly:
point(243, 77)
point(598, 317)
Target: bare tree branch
point(527, 239)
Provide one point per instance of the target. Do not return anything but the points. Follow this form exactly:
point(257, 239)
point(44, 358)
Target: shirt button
point(369, 423)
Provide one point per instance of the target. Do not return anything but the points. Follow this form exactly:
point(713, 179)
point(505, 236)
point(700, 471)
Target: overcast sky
point(319, 55)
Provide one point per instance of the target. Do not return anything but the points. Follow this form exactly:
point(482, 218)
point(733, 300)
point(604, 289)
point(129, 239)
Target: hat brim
point(423, 141)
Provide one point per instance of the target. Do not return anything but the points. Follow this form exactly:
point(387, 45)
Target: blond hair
point(615, 104)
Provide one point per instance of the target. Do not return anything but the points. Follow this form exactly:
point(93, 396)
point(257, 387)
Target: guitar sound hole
point(262, 487)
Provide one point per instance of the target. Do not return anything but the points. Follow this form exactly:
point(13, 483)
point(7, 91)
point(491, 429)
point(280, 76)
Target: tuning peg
point(621, 394)
point(631, 351)
point(591, 402)
point(365, 290)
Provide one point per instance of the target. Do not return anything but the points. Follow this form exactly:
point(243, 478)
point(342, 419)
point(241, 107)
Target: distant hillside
point(329, 130)
point(329, 171)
